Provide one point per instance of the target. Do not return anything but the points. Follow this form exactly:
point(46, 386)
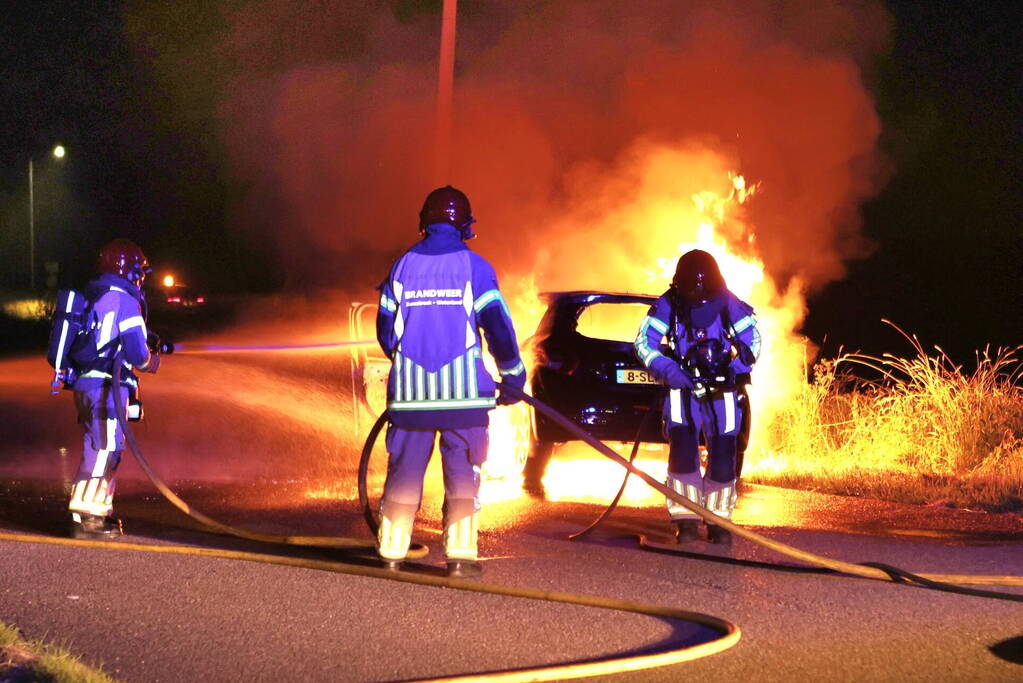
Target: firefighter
point(118, 320)
point(712, 344)
point(433, 304)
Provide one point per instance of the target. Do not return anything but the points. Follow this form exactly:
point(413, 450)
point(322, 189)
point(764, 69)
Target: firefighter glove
point(678, 377)
point(153, 364)
point(517, 381)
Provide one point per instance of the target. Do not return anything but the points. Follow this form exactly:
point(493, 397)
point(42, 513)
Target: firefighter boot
point(719, 534)
point(85, 526)
point(464, 569)
point(688, 530)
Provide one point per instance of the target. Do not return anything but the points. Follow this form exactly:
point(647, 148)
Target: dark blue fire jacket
point(438, 297)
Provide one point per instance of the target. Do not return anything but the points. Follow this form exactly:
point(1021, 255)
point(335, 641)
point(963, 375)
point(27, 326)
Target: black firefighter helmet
point(697, 278)
point(447, 205)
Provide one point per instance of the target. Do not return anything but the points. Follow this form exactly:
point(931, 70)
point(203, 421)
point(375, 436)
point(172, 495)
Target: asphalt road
point(270, 445)
point(149, 617)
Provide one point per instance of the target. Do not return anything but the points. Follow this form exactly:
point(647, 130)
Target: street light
point(58, 152)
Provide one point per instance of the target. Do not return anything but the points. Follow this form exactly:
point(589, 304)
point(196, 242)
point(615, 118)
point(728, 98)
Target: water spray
point(190, 348)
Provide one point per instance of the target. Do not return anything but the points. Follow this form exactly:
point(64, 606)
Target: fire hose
point(728, 634)
point(176, 501)
point(625, 479)
point(943, 582)
point(868, 570)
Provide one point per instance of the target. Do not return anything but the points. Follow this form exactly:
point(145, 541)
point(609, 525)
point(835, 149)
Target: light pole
point(445, 91)
point(58, 152)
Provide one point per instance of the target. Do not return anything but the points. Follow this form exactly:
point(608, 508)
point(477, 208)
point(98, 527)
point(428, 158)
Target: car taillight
point(174, 299)
point(200, 299)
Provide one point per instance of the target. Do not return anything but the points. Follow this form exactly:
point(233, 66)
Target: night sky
point(137, 95)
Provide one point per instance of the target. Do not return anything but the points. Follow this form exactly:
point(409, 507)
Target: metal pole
point(445, 88)
point(31, 229)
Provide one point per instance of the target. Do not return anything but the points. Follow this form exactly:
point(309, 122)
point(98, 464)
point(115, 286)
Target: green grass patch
point(34, 660)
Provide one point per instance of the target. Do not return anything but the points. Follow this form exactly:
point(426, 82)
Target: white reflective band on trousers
point(109, 444)
point(93, 496)
point(729, 398)
point(460, 538)
point(675, 402)
point(728, 404)
point(722, 501)
point(690, 491)
point(394, 537)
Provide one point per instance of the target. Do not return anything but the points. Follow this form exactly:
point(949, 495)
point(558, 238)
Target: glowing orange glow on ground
point(576, 475)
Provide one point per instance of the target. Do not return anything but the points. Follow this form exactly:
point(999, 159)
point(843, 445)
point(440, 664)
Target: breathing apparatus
point(709, 362)
point(73, 349)
point(69, 320)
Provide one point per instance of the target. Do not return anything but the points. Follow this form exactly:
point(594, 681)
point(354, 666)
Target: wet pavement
point(149, 617)
point(271, 445)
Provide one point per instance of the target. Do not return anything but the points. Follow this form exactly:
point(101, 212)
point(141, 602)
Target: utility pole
point(58, 153)
point(445, 93)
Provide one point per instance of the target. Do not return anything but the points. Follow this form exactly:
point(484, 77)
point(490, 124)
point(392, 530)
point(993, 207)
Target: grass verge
point(924, 431)
point(34, 660)
point(990, 494)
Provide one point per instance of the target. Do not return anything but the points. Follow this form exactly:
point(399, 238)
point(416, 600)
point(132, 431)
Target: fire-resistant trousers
point(718, 417)
point(103, 443)
point(463, 452)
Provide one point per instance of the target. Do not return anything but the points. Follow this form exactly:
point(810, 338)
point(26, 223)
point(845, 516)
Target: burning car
point(585, 367)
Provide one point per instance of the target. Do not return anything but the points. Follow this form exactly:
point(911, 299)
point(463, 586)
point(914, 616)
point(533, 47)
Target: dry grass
point(924, 431)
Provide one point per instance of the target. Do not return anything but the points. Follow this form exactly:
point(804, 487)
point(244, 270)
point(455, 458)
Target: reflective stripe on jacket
point(655, 331)
point(119, 316)
point(437, 298)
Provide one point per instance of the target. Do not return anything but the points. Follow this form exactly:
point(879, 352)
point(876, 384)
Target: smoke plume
point(570, 117)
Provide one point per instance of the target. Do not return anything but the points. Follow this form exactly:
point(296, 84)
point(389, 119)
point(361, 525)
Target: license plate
point(629, 376)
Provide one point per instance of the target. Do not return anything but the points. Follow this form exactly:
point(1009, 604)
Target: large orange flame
point(666, 225)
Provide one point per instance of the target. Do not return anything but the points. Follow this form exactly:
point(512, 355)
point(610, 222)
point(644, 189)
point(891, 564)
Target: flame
point(577, 474)
point(715, 221)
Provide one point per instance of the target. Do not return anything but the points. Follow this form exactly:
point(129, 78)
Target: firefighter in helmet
point(712, 344)
point(117, 316)
point(436, 300)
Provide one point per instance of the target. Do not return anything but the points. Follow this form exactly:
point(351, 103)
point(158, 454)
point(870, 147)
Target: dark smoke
point(326, 112)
